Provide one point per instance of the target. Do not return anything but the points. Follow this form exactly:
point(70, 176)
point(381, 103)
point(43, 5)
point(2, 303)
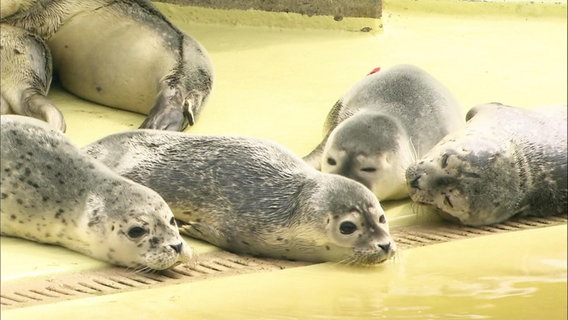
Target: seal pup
point(26, 76)
point(252, 196)
point(123, 54)
point(506, 162)
point(382, 124)
point(51, 192)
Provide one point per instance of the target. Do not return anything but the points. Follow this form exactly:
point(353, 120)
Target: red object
point(377, 69)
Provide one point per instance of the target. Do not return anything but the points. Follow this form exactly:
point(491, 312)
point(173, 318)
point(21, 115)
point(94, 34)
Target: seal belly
point(111, 59)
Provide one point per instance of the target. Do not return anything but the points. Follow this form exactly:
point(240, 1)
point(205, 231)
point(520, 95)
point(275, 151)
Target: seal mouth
point(447, 201)
point(364, 259)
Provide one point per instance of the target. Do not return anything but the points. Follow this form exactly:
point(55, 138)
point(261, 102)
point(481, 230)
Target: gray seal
point(506, 162)
point(123, 54)
point(252, 196)
point(54, 193)
point(382, 124)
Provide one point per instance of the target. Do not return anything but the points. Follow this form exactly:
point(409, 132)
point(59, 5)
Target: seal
point(252, 196)
point(26, 76)
point(382, 124)
point(123, 54)
point(506, 162)
point(54, 193)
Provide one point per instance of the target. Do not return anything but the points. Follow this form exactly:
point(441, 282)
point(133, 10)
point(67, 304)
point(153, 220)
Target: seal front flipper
point(170, 111)
point(26, 76)
point(203, 232)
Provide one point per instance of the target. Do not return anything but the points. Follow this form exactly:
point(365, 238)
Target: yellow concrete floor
point(279, 84)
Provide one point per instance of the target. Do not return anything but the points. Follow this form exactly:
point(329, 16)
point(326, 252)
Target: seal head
point(382, 159)
point(506, 162)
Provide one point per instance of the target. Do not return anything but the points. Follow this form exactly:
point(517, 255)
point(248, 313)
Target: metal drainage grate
point(421, 235)
point(222, 263)
point(115, 279)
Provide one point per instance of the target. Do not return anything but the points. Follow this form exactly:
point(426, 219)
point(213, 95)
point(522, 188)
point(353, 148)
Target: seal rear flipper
point(38, 106)
point(202, 231)
point(168, 112)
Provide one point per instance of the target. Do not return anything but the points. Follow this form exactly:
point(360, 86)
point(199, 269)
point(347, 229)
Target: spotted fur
point(53, 193)
point(506, 162)
point(252, 196)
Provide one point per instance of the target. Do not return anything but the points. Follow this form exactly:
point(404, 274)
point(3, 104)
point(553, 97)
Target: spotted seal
point(123, 54)
point(54, 193)
point(382, 124)
point(506, 162)
point(253, 196)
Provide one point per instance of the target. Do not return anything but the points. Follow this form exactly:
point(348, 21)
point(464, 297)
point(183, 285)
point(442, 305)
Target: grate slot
point(140, 280)
point(59, 291)
point(153, 277)
point(11, 299)
point(228, 264)
point(125, 282)
point(43, 293)
point(240, 262)
point(186, 271)
point(91, 287)
point(27, 296)
point(210, 267)
point(75, 289)
point(171, 274)
point(106, 284)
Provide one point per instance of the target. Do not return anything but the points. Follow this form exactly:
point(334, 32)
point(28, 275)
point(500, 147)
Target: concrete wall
point(336, 8)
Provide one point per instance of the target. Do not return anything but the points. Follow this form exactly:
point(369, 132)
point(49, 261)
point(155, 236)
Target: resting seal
point(506, 162)
point(382, 125)
point(252, 196)
point(123, 54)
point(53, 193)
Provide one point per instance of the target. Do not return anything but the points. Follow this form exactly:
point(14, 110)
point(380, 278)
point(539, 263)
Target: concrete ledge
point(336, 8)
point(271, 18)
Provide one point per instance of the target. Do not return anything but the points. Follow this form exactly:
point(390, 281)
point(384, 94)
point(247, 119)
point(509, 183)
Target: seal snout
point(413, 176)
point(177, 247)
point(385, 247)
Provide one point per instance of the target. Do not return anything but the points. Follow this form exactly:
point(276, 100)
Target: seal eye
point(382, 219)
point(173, 221)
point(369, 169)
point(331, 161)
point(136, 232)
point(347, 227)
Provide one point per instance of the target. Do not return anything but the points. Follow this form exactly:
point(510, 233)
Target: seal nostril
point(385, 247)
point(177, 247)
point(414, 183)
